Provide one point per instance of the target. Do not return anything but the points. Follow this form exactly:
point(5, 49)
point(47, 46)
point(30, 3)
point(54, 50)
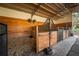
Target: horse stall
point(42, 38)
point(21, 43)
point(59, 35)
point(63, 34)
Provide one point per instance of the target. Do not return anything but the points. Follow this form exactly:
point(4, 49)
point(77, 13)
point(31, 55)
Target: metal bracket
point(35, 10)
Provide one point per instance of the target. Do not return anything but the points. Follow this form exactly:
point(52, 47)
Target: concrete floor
point(63, 47)
point(75, 49)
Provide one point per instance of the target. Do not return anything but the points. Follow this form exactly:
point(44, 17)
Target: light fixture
point(31, 21)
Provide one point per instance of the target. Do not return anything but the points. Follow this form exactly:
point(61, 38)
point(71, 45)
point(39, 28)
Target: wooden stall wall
point(65, 34)
point(43, 35)
point(53, 38)
point(43, 40)
point(62, 25)
point(19, 35)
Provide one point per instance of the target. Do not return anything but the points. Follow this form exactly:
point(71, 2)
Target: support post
point(37, 40)
point(49, 32)
point(48, 51)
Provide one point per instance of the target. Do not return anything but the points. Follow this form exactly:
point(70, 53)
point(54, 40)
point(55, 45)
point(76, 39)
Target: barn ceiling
point(53, 10)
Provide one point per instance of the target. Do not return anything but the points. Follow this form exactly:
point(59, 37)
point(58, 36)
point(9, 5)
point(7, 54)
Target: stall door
point(3, 40)
point(60, 35)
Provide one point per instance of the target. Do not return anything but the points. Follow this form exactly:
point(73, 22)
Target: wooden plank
point(43, 40)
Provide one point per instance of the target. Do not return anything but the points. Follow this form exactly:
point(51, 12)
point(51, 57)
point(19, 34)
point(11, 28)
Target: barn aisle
point(63, 47)
point(75, 49)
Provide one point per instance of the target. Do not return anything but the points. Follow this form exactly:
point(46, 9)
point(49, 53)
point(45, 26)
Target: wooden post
point(49, 32)
point(37, 43)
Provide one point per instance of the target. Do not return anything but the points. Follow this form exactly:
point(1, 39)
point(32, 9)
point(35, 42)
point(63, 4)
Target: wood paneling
point(62, 25)
point(43, 40)
point(65, 34)
point(53, 38)
point(19, 32)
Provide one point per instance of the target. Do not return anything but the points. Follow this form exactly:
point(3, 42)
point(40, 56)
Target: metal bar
point(34, 10)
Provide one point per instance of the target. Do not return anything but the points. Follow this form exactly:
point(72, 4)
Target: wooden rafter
point(54, 10)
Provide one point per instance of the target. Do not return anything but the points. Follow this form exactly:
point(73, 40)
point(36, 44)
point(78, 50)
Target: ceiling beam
point(54, 10)
point(44, 10)
point(27, 8)
point(16, 7)
point(40, 10)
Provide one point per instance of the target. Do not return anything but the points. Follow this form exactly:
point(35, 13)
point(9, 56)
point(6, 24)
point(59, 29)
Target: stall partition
point(42, 39)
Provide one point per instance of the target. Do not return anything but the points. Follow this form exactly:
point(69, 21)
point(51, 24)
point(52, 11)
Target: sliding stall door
point(60, 35)
point(3, 40)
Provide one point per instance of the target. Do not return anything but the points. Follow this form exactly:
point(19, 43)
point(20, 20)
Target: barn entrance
point(3, 39)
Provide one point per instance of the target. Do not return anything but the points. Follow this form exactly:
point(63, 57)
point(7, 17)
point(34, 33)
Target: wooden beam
point(44, 6)
point(50, 10)
point(23, 8)
point(53, 9)
point(16, 7)
point(45, 10)
point(32, 6)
